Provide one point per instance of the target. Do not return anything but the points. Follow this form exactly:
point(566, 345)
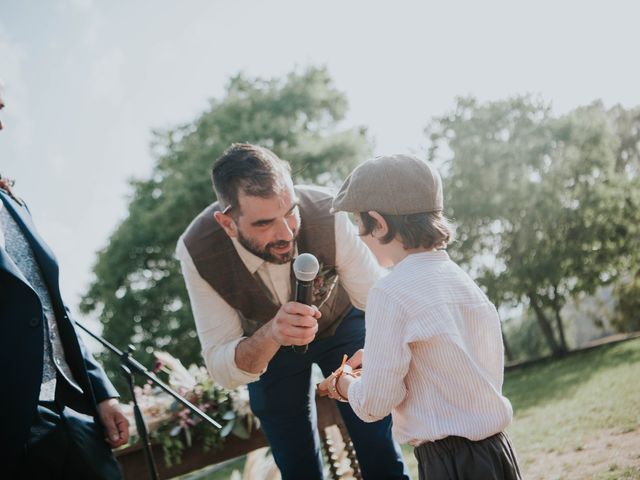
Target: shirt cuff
point(355, 395)
point(223, 368)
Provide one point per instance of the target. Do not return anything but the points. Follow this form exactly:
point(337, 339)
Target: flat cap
point(394, 185)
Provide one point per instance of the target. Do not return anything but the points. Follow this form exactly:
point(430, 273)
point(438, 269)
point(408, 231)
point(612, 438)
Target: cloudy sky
point(86, 81)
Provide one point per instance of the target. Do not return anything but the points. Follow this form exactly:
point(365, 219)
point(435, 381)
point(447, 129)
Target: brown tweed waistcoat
point(218, 263)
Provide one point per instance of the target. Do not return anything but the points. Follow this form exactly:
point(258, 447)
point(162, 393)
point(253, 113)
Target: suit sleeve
point(103, 389)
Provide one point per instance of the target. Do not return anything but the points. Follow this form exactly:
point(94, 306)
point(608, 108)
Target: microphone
point(305, 269)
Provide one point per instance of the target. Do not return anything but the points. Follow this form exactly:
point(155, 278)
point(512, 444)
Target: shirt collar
point(429, 257)
point(251, 261)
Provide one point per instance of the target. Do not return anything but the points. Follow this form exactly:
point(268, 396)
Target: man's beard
point(264, 253)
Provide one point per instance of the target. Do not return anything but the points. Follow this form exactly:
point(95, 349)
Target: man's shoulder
point(202, 230)
point(315, 204)
point(204, 219)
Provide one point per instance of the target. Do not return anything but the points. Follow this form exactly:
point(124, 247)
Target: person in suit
point(59, 413)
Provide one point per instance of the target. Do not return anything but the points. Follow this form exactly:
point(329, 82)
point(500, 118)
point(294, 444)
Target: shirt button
point(57, 360)
point(34, 321)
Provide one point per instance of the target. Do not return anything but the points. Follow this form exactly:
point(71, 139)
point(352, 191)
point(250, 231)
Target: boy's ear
point(381, 228)
point(227, 223)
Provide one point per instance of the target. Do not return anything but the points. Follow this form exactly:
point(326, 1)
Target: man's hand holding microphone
point(296, 323)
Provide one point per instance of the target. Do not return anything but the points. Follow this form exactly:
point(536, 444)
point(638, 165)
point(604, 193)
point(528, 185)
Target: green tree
point(542, 208)
point(627, 290)
point(137, 291)
point(627, 314)
point(525, 338)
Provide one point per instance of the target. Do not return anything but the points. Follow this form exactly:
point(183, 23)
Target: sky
point(87, 81)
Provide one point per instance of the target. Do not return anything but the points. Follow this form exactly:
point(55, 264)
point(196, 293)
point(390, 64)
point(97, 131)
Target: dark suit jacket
point(22, 340)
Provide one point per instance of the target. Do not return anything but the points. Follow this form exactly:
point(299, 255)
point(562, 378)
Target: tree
point(627, 290)
point(542, 207)
point(137, 291)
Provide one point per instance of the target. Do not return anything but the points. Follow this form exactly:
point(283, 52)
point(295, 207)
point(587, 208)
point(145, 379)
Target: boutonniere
point(6, 184)
point(324, 283)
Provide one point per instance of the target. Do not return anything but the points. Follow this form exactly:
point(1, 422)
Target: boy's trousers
point(457, 458)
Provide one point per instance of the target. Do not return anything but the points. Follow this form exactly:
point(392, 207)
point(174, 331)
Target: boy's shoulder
point(407, 281)
point(430, 283)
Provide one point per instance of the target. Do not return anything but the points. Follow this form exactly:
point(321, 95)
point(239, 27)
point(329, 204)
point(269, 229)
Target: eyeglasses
point(227, 209)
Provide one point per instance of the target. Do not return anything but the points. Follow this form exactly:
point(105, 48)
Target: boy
point(433, 346)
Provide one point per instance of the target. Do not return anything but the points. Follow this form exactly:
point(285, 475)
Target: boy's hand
point(345, 374)
point(356, 359)
point(323, 387)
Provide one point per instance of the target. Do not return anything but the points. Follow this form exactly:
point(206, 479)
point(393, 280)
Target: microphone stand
point(130, 367)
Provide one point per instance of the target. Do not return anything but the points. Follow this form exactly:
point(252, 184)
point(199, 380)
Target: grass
point(562, 405)
point(631, 473)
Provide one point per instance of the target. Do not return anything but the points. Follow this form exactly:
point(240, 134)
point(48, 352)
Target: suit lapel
point(44, 255)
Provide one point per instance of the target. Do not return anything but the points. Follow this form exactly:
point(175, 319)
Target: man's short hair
point(254, 169)
point(427, 230)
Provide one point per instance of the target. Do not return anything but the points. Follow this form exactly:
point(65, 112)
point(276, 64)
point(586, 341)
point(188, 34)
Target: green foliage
point(138, 292)
point(627, 295)
point(525, 339)
point(545, 207)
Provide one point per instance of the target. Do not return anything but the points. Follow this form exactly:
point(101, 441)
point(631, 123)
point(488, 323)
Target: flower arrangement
point(174, 426)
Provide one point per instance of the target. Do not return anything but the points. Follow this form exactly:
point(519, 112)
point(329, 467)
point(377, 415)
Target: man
point(236, 259)
point(57, 405)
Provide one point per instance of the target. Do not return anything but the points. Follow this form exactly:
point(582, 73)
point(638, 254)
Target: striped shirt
point(433, 354)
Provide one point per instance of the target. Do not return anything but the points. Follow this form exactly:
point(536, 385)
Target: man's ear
point(227, 223)
point(381, 228)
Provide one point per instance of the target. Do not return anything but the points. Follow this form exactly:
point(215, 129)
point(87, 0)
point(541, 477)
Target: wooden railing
point(337, 446)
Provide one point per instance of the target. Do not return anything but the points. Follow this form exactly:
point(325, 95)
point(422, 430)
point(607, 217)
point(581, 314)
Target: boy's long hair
point(427, 230)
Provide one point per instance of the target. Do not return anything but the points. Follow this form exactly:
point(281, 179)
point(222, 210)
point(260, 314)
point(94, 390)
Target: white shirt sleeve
point(218, 325)
point(356, 265)
point(386, 361)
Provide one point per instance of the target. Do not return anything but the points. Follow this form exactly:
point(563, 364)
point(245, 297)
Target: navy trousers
point(284, 401)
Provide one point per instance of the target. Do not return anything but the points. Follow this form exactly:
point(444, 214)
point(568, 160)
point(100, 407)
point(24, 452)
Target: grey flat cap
point(394, 185)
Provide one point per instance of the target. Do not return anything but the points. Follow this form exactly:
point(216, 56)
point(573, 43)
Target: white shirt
point(218, 324)
point(433, 354)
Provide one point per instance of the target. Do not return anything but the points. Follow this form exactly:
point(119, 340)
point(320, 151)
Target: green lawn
point(574, 418)
point(570, 412)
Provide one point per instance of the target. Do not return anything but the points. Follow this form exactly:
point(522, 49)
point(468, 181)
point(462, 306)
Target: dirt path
point(611, 454)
